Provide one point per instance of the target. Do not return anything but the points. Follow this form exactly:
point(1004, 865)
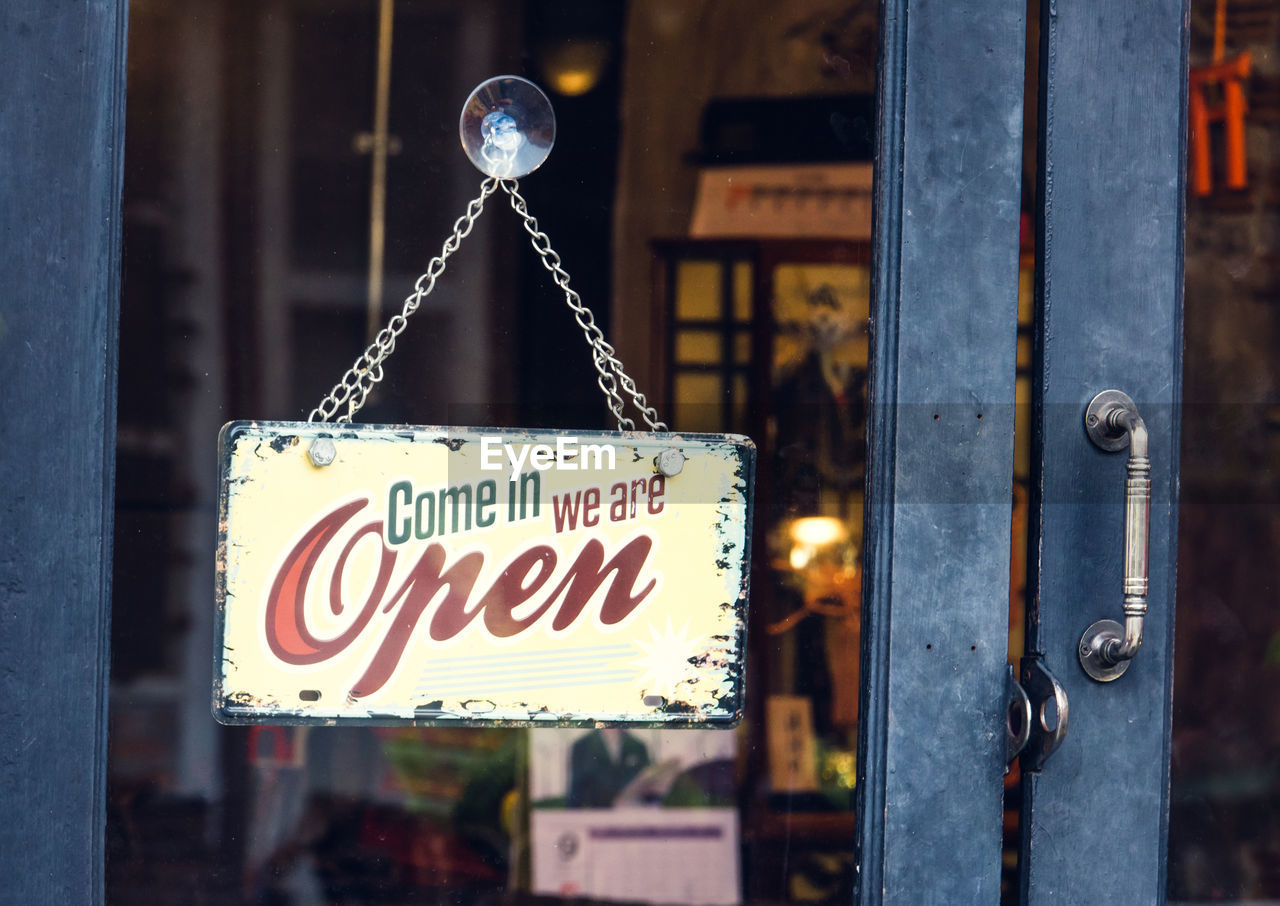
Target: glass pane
point(817, 454)
point(699, 347)
point(741, 399)
point(1224, 819)
point(822, 308)
point(698, 290)
point(700, 405)
point(743, 274)
point(252, 138)
point(810, 424)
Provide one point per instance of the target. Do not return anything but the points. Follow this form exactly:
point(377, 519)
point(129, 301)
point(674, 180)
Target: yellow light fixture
point(575, 65)
point(800, 557)
point(818, 531)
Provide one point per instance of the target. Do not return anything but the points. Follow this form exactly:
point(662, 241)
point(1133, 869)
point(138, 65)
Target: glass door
point(804, 224)
point(717, 217)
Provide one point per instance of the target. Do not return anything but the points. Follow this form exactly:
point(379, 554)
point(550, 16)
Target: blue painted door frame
point(940, 458)
point(1109, 300)
point(944, 315)
point(1111, 216)
point(61, 156)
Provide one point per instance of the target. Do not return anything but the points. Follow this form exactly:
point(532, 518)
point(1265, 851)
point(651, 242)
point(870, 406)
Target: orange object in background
point(1230, 74)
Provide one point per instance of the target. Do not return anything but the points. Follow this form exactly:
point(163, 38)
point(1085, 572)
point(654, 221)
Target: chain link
point(610, 372)
point(354, 387)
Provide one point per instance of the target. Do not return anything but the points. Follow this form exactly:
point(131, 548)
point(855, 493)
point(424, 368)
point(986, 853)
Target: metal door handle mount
point(1113, 423)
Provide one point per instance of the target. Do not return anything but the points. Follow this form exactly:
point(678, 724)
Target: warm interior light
point(574, 66)
point(816, 531)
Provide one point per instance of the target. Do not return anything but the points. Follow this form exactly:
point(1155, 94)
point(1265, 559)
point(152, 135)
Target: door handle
point(1113, 423)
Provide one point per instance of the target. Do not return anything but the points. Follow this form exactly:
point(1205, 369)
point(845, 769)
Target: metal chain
point(608, 366)
point(354, 387)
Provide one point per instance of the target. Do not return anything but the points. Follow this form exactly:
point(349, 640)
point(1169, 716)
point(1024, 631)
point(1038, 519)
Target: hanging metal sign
point(447, 575)
point(455, 575)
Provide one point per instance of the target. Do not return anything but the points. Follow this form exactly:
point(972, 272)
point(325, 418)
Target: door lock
point(1017, 717)
point(1035, 714)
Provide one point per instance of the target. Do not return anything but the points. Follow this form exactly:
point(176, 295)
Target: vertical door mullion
point(62, 135)
point(1109, 300)
point(944, 325)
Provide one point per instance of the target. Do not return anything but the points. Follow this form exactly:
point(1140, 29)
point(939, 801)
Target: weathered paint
point(1109, 315)
point(935, 613)
point(413, 580)
point(62, 135)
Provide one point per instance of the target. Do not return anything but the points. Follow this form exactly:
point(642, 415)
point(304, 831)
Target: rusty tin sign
point(395, 574)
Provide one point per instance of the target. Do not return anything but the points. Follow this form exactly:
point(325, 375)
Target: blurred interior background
point(251, 139)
